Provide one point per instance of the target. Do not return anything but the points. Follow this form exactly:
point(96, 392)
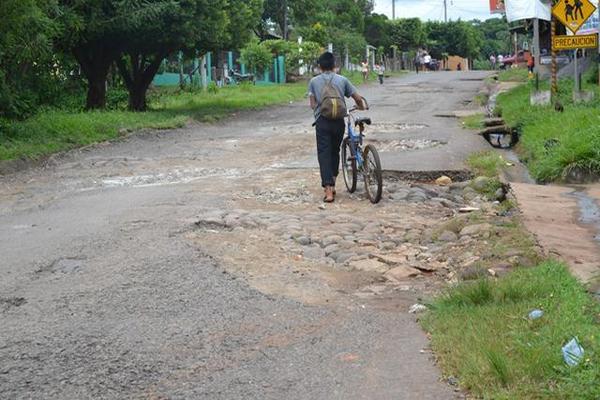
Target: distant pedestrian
point(380, 73)
point(427, 61)
point(493, 61)
point(500, 61)
point(459, 67)
point(365, 70)
point(417, 63)
point(530, 64)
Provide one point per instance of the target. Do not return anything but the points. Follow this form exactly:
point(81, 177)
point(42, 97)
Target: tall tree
point(188, 26)
point(377, 30)
point(458, 38)
point(407, 33)
point(26, 35)
point(191, 26)
point(97, 32)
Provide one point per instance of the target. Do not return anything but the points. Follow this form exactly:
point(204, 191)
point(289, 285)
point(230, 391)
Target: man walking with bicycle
point(327, 93)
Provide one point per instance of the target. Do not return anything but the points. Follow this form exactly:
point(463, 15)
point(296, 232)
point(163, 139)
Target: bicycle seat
point(364, 120)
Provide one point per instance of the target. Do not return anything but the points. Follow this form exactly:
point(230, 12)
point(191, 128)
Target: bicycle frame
point(356, 141)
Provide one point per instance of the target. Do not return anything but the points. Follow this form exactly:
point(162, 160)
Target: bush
point(256, 56)
point(482, 65)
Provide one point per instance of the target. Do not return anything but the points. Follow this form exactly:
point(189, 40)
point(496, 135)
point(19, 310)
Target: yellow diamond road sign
point(573, 13)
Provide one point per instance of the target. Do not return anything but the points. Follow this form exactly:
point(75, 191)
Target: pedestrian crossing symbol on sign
point(573, 13)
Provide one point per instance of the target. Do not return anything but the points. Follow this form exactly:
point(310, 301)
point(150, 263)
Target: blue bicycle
point(356, 161)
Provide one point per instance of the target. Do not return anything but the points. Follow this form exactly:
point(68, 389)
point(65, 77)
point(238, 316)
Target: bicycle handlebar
point(365, 103)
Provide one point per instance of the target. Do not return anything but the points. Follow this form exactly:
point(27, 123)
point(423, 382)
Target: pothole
point(6, 303)
point(172, 177)
point(395, 128)
point(405, 144)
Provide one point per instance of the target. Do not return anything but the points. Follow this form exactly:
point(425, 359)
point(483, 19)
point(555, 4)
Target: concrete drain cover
point(384, 146)
point(394, 128)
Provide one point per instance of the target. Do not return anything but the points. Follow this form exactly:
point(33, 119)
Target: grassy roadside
point(479, 327)
point(555, 145)
point(51, 131)
point(54, 130)
point(481, 334)
point(474, 121)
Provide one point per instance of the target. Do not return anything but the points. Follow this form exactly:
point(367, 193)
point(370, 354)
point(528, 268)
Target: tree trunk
point(137, 98)
point(96, 94)
point(138, 76)
point(95, 65)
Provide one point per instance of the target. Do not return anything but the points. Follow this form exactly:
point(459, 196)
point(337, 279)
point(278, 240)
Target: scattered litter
point(572, 352)
point(468, 209)
point(322, 207)
point(535, 314)
point(417, 308)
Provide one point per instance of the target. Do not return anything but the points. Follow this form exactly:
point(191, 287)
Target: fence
point(217, 67)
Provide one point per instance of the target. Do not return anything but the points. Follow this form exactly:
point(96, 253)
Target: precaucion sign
point(573, 13)
point(575, 42)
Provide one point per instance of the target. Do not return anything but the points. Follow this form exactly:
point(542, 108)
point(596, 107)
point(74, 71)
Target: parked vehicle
point(235, 78)
point(434, 65)
point(520, 59)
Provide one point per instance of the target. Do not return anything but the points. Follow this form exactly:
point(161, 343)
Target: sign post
point(554, 87)
point(572, 14)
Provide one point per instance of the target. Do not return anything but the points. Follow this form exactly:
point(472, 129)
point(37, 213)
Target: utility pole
point(445, 10)
point(285, 20)
point(393, 10)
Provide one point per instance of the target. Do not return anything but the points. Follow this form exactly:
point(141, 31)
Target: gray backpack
point(333, 105)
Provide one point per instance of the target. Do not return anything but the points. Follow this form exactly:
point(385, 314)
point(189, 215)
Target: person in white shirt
point(427, 61)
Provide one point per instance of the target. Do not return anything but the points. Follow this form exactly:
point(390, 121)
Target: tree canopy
point(49, 48)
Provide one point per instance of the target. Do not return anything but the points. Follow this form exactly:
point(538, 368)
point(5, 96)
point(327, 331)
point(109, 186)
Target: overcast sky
point(434, 9)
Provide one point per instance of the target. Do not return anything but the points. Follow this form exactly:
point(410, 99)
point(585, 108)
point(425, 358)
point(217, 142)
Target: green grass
point(554, 143)
point(473, 121)
point(513, 75)
point(486, 163)
point(53, 130)
point(209, 107)
point(482, 336)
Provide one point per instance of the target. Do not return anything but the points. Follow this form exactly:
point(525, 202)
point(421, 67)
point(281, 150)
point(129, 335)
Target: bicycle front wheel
point(372, 174)
point(348, 166)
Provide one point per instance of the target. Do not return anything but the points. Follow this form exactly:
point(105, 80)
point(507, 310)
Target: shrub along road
point(195, 263)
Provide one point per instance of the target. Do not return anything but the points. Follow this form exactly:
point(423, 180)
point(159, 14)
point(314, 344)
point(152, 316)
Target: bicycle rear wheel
point(348, 166)
point(372, 174)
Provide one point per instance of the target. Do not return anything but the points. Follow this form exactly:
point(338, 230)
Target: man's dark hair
point(327, 61)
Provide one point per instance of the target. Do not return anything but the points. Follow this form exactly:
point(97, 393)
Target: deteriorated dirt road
point(197, 263)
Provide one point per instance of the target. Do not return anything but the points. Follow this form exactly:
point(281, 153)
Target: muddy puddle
point(589, 211)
